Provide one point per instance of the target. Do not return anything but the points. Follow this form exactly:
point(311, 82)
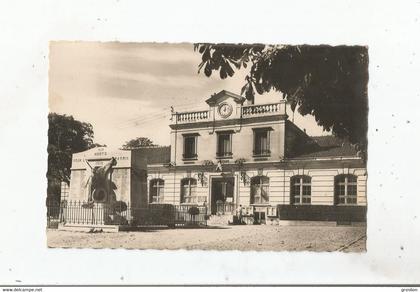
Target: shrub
point(88, 205)
point(193, 211)
point(119, 206)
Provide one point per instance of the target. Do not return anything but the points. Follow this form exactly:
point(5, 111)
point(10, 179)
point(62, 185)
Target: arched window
point(259, 190)
point(345, 189)
point(300, 190)
point(188, 190)
point(156, 190)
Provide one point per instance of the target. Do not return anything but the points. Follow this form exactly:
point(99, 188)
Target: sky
point(126, 90)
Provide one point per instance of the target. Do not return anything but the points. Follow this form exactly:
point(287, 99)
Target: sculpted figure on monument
point(97, 184)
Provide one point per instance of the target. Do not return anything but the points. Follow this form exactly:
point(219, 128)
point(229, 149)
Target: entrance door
point(222, 190)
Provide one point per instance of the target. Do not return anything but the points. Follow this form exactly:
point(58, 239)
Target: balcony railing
point(248, 111)
point(263, 109)
point(191, 117)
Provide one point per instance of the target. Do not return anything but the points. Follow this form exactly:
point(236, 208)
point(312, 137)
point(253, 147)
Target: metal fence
point(190, 215)
point(88, 213)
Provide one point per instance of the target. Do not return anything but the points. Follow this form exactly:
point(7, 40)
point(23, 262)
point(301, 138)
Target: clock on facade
point(225, 110)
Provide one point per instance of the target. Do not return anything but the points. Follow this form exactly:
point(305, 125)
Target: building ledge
point(224, 157)
point(261, 155)
point(190, 159)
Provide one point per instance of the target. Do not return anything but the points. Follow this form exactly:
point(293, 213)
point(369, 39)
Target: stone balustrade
point(192, 117)
point(248, 111)
point(263, 109)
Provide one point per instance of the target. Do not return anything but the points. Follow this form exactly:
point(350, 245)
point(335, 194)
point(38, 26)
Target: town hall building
point(233, 159)
point(252, 158)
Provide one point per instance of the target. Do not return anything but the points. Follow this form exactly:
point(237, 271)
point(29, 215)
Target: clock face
point(225, 110)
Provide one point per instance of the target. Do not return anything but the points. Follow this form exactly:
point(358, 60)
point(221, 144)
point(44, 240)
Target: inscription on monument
point(97, 157)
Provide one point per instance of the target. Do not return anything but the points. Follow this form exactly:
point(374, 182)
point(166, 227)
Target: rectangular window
point(296, 193)
point(306, 194)
point(224, 145)
point(190, 146)
point(259, 190)
point(188, 190)
point(300, 190)
point(262, 142)
point(351, 193)
point(156, 190)
point(345, 189)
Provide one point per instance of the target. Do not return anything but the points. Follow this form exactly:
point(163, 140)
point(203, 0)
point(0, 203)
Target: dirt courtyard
point(244, 237)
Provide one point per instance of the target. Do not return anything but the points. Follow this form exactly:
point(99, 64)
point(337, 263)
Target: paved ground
point(244, 237)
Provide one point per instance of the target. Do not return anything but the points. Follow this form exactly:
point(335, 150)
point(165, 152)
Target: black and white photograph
point(199, 144)
point(207, 146)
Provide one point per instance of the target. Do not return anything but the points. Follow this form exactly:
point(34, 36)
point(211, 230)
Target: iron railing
point(192, 214)
point(157, 214)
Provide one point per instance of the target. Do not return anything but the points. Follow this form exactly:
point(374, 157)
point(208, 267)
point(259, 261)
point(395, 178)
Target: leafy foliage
point(138, 143)
point(207, 163)
point(94, 145)
point(327, 82)
point(240, 163)
point(193, 211)
point(65, 137)
point(119, 206)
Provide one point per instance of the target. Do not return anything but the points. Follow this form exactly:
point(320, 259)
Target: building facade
point(250, 157)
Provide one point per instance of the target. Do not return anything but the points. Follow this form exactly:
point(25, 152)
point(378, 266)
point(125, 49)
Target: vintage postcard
point(207, 146)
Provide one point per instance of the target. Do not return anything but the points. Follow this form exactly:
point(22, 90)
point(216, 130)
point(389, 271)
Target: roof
point(156, 154)
point(215, 97)
point(327, 146)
